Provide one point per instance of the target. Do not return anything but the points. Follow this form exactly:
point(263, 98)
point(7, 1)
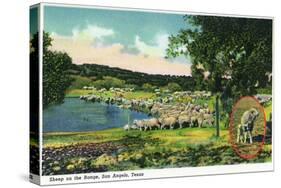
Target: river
point(75, 115)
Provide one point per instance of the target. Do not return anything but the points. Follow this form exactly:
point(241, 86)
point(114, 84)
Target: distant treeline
point(97, 72)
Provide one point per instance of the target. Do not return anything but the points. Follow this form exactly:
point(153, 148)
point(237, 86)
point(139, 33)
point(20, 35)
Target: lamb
point(246, 126)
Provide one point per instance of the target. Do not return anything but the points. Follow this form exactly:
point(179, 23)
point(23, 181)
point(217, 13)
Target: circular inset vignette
point(247, 150)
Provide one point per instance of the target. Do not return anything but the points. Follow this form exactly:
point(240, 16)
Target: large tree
point(55, 65)
point(232, 56)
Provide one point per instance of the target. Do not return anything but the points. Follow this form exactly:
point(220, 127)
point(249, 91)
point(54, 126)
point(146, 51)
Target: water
point(76, 115)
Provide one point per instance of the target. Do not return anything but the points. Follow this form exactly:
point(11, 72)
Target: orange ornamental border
point(231, 129)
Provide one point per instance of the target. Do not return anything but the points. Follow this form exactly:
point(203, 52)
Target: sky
point(33, 19)
point(130, 40)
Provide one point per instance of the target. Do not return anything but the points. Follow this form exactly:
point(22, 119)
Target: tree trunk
point(217, 116)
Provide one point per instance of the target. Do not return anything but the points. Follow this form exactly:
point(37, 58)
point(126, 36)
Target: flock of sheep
point(165, 112)
point(170, 116)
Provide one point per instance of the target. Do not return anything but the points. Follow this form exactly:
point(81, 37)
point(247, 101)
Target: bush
point(148, 87)
point(108, 82)
point(173, 87)
point(267, 90)
point(79, 82)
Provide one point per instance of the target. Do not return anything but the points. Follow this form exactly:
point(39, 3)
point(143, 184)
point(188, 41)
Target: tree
point(234, 53)
point(55, 65)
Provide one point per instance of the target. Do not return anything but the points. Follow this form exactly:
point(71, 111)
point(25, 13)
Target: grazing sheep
point(140, 124)
point(208, 120)
point(168, 122)
point(152, 123)
point(184, 119)
point(133, 127)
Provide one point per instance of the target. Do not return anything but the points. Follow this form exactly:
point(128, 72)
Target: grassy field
point(127, 95)
point(116, 149)
point(179, 137)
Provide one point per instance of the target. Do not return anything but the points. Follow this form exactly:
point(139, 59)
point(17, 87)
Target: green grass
point(151, 149)
point(63, 139)
point(139, 95)
point(127, 95)
point(167, 137)
point(268, 111)
point(79, 81)
point(77, 92)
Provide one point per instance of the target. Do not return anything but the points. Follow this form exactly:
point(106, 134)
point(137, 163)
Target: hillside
point(136, 78)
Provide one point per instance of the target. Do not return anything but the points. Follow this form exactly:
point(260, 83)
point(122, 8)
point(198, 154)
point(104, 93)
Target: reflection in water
point(75, 115)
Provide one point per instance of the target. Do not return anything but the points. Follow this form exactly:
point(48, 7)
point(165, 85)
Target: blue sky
point(129, 32)
point(33, 19)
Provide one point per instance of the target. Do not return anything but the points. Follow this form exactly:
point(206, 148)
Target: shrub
point(148, 87)
point(108, 82)
point(173, 87)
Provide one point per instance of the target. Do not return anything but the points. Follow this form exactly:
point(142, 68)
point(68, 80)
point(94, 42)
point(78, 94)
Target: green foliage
point(55, 65)
point(137, 79)
point(267, 90)
point(173, 87)
point(138, 150)
point(148, 87)
point(55, 78)
point(236, 52)
point(108, 82)
point(79, 82)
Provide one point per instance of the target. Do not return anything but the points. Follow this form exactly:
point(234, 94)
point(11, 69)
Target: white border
point(154, 173)
point(161, 173)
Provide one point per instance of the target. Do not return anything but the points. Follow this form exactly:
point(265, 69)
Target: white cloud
point(158, 49)
point(91, 33)
point(85, 46)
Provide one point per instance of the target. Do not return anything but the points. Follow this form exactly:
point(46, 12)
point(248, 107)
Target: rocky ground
point(62, 159)
point(134, 152)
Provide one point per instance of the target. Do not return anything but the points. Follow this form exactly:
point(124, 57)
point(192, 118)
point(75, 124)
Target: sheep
point(140, 124)
point(184, 119)
point(208, 120)
point(247, 124)
point(168, 122)
point(152, 123)
point(126, 127)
